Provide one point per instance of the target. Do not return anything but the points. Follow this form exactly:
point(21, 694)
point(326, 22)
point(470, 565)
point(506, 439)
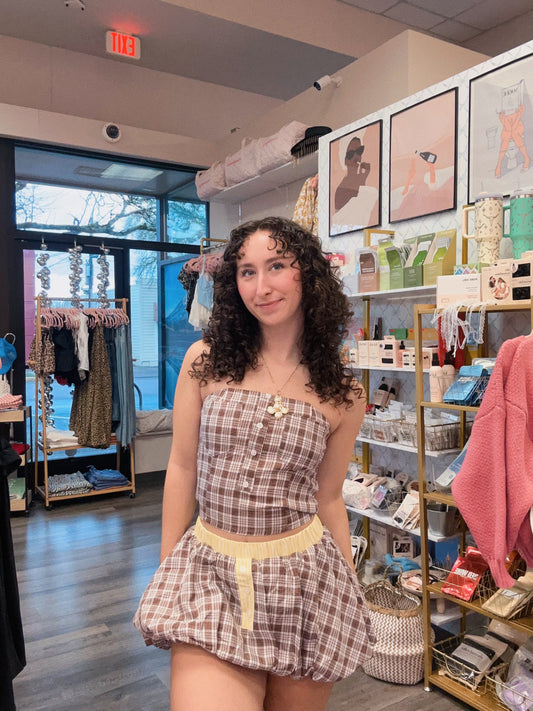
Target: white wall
point(402, 66)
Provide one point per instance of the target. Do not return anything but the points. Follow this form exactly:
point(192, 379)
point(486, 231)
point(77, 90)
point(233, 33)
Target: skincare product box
point(508, 281)
point(413, 272)
point(374, 354)
point(462, 288)
point(390, 353)
point(441, 256)
point(368, 269)
point(362, 354)
point(384, 244)
point(474, 268)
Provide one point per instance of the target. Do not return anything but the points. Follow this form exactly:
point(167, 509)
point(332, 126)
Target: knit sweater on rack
point(494, 488)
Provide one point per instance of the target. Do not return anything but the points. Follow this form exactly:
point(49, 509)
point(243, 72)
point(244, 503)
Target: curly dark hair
point(234, 335)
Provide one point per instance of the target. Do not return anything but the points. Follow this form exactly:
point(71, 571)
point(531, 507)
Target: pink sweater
point(494, 488)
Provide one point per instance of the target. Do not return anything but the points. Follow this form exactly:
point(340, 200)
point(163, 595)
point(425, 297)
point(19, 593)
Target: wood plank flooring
point(82, 568)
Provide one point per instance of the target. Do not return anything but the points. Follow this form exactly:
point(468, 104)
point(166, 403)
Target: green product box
point(413, 272)
point(441, 257)
point(400, 334)
point(384, 270)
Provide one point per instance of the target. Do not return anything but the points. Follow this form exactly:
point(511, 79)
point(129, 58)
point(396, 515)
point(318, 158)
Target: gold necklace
point(278, 409)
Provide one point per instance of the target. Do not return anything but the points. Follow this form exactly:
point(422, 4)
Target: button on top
point(253, 453)
point(259, 425)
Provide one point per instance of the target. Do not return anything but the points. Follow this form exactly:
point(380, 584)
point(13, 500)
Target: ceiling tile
point(455, 31)
point(415, 16)
point(376, 6)
point(449, 8)
point(491, 13)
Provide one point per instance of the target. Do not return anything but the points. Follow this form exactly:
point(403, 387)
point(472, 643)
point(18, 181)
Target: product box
point(462, 288)
point(508, 281)
point(362, 354)
point(408, 357)
point(384, 244)
point(474, 268)
point(401, 334)
point(368, 269)
point(374, 354)
point(390, 353)
point(413, 272)
point(441, 256)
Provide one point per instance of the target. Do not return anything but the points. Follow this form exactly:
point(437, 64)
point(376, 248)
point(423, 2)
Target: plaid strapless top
point(257, 474)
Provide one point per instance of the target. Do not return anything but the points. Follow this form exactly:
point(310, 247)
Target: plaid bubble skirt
point(291, 607)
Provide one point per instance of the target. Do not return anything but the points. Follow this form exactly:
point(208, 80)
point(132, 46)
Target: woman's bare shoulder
point(196, 350)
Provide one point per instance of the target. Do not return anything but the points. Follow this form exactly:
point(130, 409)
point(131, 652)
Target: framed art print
point(501, 130)
point(423, 151)
point(355, 180)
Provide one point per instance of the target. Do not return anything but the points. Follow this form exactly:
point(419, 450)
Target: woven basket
point(396, 617)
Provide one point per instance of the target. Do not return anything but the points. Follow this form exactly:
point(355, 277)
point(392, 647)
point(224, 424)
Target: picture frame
point(500, 136)
point(423, 158)
point(355, 179)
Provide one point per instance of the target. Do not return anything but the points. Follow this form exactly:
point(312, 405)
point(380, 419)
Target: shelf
point(408, 448)
point(440, 497)
point(68, 447)
point(386, 369)
point(490, 308)
point(524, 624)
point(386, 520)
point(449, 406)
point(72, 497)
point(479, 700)
point(18, 415)
point(273, 179)
point(413, 293)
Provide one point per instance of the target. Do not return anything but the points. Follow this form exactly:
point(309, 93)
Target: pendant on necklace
point(278, 409)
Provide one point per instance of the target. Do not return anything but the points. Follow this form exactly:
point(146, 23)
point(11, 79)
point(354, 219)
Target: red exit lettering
point(123, 45)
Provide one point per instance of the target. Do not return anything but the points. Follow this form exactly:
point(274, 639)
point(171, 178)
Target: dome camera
point(112, 132)
point(326, 81)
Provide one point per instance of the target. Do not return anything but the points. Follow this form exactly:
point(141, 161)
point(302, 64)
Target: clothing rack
point(63, 317)
point(205, 240)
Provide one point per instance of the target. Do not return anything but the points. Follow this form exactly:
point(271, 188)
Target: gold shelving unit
point(483, 700)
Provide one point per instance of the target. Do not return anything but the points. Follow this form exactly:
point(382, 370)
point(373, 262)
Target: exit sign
point(122, 44)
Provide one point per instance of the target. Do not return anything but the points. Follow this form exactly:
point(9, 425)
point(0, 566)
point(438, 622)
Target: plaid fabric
point(310, 619)
point(257, 473)
point(257, 476)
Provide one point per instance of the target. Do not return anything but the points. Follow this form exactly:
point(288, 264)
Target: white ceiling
point(189, 43)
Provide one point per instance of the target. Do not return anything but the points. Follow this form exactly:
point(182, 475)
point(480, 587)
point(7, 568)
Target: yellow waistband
point(295, 543)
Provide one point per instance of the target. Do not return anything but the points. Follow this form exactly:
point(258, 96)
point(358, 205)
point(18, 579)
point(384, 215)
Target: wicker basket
point(396, 617)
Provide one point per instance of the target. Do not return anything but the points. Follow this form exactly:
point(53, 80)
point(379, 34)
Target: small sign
point(122, 44)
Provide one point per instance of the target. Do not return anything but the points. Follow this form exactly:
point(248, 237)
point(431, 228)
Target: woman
point(259, 601)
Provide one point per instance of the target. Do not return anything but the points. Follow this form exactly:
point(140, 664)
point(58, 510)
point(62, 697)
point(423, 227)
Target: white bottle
point(448, 373)
point(436, 380)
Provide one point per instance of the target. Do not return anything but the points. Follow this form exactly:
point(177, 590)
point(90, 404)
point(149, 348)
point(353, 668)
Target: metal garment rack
point(42, 444)
point(209, 240)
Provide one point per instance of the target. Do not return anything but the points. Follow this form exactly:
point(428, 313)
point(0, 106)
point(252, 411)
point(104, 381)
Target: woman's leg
point(199, 681)
point(286, 694)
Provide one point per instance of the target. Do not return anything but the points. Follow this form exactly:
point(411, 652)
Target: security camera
point(79, 3)
point(111, 132)
point(327, 81)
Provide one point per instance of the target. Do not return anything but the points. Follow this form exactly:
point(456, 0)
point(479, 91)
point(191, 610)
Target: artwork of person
point(357, 172)
point(512, 128)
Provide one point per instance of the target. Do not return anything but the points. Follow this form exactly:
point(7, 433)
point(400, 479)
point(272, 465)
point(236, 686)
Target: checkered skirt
point(310, 618)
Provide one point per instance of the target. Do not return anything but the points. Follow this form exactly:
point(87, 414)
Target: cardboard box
point(463, 288)
point(374, 354)
point(508, 281)
point(439, 262)
point(413, 272)
point(362, 353)
point(368, 270)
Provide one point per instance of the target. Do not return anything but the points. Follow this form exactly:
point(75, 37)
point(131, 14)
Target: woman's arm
point(179, 498)
point(332, 472)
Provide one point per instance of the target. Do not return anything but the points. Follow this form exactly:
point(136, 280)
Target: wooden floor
point(82, 568)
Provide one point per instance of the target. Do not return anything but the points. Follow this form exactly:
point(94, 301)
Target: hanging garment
point(90, 417)
point(188, 280)
point(81, 344)
point(306, 208)
point(12, 652)
point(42, 354)
point(66, 361)
point(126, 428)
point(493, 489)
